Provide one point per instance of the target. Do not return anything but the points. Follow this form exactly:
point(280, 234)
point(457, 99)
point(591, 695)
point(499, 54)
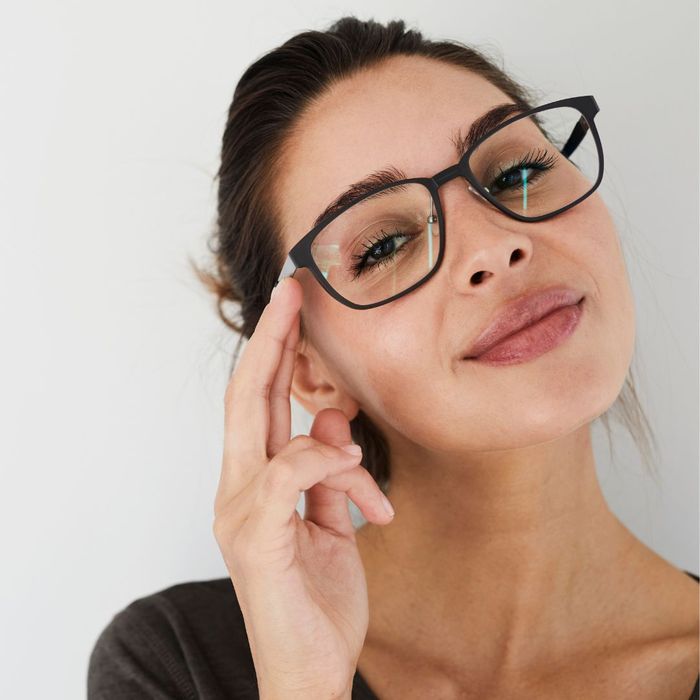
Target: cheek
point(389, 361)
point(600, 253)
point(382, 357)
point(371, 352)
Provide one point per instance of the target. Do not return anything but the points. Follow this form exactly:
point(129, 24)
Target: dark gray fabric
point(186, 642)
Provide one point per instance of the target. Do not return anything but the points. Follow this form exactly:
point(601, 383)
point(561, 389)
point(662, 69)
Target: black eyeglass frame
point(300, 255)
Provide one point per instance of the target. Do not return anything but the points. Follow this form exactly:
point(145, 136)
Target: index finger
point(247, 401)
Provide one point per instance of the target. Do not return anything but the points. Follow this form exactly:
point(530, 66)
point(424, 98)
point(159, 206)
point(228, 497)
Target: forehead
point(403, 113)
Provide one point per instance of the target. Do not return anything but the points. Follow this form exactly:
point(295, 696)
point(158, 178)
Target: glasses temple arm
point(576, 137)
point(288, 270)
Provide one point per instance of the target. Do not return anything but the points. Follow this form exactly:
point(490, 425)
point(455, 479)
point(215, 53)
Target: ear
point(314, 388)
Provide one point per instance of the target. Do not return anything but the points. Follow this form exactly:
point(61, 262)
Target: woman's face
point(401, 362)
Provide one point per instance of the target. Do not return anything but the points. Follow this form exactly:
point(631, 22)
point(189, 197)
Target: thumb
point(325, 506)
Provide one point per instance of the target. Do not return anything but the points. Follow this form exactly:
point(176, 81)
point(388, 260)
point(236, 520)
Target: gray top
point(185, 642)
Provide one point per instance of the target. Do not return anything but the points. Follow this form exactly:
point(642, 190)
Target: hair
point(267, 104)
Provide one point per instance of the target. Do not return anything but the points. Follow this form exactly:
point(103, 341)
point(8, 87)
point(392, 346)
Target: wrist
point(303, 696)
point(272, 691)
point(279, 694)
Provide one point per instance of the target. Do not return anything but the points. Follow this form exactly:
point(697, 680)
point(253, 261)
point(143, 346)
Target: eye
point(383, 249)
point(527, 170)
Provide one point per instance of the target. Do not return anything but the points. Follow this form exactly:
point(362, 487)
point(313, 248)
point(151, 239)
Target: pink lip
point(529, 327)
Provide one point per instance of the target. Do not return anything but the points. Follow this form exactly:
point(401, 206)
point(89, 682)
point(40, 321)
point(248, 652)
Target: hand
point(300, 582)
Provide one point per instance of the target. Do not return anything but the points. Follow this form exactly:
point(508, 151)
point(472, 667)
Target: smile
point(535, 340)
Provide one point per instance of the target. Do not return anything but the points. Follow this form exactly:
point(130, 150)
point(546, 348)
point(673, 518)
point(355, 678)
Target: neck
point(505, 551)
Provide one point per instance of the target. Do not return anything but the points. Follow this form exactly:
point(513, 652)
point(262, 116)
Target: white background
point(113, 361)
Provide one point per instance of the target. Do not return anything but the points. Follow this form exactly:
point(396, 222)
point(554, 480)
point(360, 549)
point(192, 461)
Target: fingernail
point(387, 506)
point(352, 449)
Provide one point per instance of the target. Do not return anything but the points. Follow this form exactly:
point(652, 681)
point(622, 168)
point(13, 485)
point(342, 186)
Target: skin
point(504, 568)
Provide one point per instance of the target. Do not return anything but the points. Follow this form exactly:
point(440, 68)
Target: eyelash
point(541, 163)
point(361, 267)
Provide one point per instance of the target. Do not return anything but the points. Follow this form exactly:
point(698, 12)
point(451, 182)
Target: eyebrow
point(479, 128)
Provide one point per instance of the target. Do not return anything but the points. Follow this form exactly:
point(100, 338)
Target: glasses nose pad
point(477, 193)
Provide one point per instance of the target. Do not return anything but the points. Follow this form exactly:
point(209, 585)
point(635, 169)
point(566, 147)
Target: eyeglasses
point(385, 237)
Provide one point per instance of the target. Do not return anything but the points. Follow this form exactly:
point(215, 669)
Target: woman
point(466, 339)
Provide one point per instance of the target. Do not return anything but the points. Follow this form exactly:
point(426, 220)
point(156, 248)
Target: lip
point(536, 310)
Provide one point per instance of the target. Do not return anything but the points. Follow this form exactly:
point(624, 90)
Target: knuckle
point(219, 528)
point(302, 441)
point(218, 510)
point(279, 392)
point(261, 389)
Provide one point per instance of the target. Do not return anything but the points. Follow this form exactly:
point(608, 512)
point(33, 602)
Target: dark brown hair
point(267, 104)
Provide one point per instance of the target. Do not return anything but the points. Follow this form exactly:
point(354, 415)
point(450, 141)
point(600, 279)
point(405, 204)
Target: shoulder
point(678, 649)
point(174, 610)
point(172, 643)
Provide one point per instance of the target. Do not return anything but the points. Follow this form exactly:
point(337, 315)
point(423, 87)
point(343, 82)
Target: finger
point(280, 429)
point(277, 493)
point(325, 506)
point(359, 485)
point(234, 505)
point(247, 405)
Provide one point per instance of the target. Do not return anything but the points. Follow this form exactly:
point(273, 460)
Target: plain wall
point(113, 361)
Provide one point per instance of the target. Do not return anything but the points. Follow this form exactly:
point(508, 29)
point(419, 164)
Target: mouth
point(529, 327)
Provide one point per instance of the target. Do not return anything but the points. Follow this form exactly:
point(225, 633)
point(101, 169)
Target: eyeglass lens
point(390, 240)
